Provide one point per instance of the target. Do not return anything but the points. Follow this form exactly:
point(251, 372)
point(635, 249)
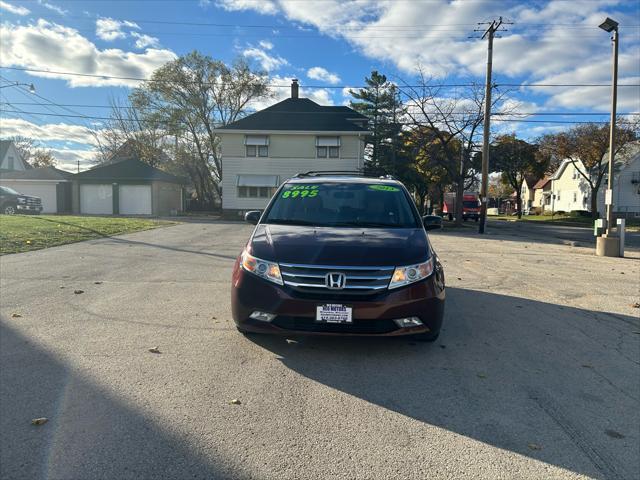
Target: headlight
point(267, 270)
point(411, 273)
point(22, 200)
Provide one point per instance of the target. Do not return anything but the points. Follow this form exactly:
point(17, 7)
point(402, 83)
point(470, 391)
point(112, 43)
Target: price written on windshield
point(301, 191)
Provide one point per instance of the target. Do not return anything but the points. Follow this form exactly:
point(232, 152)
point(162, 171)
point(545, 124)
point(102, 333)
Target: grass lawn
point(22, 233)
point(632, 225)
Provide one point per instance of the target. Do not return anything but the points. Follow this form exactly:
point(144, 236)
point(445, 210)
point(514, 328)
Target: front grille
point(313, 278)
point(33, 202)
point(304, 324)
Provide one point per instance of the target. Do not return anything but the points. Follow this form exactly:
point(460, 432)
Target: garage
point(50, 184)
point(135, 199)
point(96, 199)
point(127, 187)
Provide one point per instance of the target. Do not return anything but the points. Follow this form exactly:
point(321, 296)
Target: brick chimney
point(294, 88)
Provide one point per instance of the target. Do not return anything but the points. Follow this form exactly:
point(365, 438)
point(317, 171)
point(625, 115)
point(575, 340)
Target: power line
point(139, 79)
point(520, 120)
point(560, 114)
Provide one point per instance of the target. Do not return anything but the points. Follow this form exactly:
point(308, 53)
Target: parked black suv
point(12, 202)
point(340, 255)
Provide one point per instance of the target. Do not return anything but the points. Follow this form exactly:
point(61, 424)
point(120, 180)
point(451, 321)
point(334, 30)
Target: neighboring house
point(51, 184)
point(10, 158)
point(527, 193)
point(570, 190)
point(127, 187)
point(626, 182)
point(542, 195)
point(262, 150)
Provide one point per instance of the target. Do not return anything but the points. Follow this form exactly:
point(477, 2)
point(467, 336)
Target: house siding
point(626, 194)
point(18, 163)
point(565, 187)
point(288, 154)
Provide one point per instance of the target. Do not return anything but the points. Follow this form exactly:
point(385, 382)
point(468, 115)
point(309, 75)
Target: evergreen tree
point(380, 102)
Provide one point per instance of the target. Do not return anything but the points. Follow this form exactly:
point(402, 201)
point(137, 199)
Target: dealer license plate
point(334, 313)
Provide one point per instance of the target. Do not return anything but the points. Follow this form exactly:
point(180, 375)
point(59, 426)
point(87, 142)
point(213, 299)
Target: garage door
point(46, 191)
point(135, 199)
point(96, 199)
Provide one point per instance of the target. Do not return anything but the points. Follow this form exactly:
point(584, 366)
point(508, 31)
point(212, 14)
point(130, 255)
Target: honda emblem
point(335, 280)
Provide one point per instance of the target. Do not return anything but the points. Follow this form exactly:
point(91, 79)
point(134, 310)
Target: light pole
point(608, 244)
point(32, 88)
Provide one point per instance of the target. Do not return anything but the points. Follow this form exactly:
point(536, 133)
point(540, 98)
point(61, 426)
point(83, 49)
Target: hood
point(340, 246)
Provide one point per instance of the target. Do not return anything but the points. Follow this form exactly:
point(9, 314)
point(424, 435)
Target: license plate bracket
point(334, 313)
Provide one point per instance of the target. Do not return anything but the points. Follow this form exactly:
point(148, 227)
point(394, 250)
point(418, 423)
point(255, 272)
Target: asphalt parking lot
point(536, 374)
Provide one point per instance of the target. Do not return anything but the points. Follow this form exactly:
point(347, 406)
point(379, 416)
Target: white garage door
point(96, 199)
point(46, 191)
point(135, 199)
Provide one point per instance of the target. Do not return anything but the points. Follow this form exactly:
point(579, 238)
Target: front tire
point(9, 210)
point(451, 217)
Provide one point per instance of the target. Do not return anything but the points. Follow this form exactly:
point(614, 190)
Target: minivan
point(340, 255)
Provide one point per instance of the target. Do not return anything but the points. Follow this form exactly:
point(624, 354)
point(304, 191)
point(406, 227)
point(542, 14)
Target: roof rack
point(319, 173)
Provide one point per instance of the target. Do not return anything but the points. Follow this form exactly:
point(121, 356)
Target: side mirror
point(252, 217)
point(432, 222)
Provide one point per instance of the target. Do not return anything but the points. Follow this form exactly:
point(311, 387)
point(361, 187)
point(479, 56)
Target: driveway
point(535, 376)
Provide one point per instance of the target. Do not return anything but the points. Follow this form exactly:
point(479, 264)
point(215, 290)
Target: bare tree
point(447, 124)
point(190, 97)
point(586, 145)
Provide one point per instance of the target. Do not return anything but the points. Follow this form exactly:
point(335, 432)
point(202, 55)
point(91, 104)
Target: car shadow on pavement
point(90, 433)
point(551, 383)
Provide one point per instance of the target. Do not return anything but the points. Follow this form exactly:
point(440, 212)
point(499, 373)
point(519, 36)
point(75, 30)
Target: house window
point(575, 197)
point(328, 147)
point(558, 196)
point(255, 192)
point(256, 145)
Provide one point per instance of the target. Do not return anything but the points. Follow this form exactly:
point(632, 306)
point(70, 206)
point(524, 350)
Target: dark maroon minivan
point(337, 254)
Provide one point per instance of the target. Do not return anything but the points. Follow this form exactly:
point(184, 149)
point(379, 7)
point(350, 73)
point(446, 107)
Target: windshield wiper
point(286, 221)
point(367, 225)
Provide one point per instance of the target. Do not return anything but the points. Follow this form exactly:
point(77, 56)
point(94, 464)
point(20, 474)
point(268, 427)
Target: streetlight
point(608, 244)
point(32, 88)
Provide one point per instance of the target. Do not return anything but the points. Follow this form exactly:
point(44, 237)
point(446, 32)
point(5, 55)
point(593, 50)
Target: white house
point(626, 182)
point(569, 188)
point(264, 149)
point(10, 158)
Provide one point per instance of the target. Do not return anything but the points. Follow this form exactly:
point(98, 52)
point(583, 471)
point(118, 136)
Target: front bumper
point(29, 208)
point(373, 315)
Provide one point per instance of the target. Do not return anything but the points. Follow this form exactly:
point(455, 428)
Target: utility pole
point(484, 188)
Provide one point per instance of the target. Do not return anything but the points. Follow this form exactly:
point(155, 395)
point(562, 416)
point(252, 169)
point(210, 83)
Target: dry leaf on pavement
point(39, 421)
point(235, 401)
point(155, 350)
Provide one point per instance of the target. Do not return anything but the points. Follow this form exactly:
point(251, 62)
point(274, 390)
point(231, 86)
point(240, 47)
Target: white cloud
point(266, 61)
point(322, 74)
point(15, 9)
point(67, 158)
point(262, 6)
point(266, 44)
point(144, 41)
point(533, 52)
point(49, 46)
point(49, 132)
point(53, 8)
point(109, 29)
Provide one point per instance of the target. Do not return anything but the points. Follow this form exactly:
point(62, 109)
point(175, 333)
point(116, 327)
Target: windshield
point(470, 204)
point(342, 204)
point(8, 190)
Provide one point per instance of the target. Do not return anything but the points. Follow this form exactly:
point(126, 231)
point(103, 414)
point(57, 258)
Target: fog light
point(262, 316)
point(408, 322)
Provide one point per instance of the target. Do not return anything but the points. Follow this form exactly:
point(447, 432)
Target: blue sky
point(330, 44)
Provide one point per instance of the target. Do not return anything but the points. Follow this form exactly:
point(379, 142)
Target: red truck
point(470, 205)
